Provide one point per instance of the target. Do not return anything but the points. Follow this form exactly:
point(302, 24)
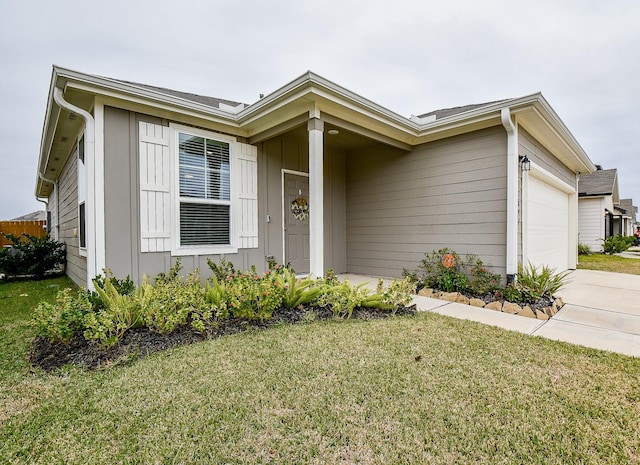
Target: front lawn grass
point(17, 300)
point(603, 262)
point(423, 389)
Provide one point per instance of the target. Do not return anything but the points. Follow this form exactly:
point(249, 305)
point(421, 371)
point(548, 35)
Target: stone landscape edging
point(499, 306)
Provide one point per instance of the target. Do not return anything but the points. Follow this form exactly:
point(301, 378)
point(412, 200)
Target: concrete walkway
point(602, 310)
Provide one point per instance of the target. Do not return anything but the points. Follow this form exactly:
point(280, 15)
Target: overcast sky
point(410, 56)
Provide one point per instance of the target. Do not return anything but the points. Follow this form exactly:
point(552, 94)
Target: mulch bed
point(143, 341)
point(540, 304)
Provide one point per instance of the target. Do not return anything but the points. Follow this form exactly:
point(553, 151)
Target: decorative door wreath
point(300, 208)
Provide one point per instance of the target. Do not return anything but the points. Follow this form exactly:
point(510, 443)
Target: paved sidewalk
point(602, 310)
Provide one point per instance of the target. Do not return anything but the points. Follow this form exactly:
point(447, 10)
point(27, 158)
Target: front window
point(205, 191)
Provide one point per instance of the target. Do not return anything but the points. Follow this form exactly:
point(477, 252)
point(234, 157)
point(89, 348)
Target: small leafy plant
point(584, 249)
point(60, 321)
point(342, 298)
point(119, 313)
point(253, 297)
point(172, 301)
point(447, 271)
point(617, 243)
point(297, 291)
point(535, 283)
point(221, 270)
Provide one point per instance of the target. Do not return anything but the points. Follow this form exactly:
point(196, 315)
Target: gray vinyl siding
point(68, 221)
point(52, 209)
point(538, 154)
point(451, 193)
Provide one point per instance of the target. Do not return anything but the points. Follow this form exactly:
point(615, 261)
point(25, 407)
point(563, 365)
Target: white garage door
point(548, 225)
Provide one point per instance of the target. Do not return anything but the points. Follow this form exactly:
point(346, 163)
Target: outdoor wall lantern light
point(525, 163)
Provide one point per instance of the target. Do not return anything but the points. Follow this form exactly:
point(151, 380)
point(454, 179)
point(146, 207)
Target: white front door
point(296, 221)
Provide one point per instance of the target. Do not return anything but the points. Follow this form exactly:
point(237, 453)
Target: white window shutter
point(245, 202)
point(155, 188)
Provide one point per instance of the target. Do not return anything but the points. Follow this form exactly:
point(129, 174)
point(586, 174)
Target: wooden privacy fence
point(36, 228)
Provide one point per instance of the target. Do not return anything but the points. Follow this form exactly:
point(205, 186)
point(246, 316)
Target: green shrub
point(124, 286)
point(58, 322)
point(445, 270)
point(215, 295)
point(119, 313)
point(398, 294)
point(171, 301)
point(534, 283)
point(481, 280)
point(30, 255)
point(223, 270)
point(617, 244)
point(342, 298)
point(252, 297)
point(510, 293)
point(297, 291)
point(584, 249)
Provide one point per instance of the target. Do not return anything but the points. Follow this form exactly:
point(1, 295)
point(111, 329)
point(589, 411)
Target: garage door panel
point(548, 225)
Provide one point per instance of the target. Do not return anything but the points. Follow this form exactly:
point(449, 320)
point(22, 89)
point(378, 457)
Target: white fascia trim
point(131, 90)
point(311, 83)
point(555, 126)
point(195, 110)
point(46, 141)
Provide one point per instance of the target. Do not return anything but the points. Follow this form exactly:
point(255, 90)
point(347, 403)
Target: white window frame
point(176, 248)
point(82, 193)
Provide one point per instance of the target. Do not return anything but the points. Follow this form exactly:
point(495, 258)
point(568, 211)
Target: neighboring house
point(312, 174)
point(39, 215)
point(601, 213)
point(631, 211)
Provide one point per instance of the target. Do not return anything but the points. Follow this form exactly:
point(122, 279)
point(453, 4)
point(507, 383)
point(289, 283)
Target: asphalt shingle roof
point(628, 205)
point(599, 182)
point(444, 112)
point(209, 101)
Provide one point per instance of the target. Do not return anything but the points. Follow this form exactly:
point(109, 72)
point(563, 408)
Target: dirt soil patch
point(143, 341)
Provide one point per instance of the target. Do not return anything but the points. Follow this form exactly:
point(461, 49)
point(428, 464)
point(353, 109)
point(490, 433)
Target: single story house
point(601, 213)
point(313, 174)
point(630, 211)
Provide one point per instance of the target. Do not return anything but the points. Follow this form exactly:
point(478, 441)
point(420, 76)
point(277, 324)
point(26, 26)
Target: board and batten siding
point(591, 222)
point(450, 193)
point(68, 226)
point(155, 187)
point(125, 228)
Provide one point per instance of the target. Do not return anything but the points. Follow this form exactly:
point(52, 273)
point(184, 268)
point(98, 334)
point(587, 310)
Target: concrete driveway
point(601, 310)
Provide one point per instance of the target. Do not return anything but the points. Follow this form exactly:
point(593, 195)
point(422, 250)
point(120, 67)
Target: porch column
point(316, 196)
